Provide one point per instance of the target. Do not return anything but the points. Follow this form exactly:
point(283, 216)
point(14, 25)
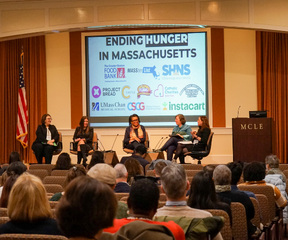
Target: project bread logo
point(143, 90)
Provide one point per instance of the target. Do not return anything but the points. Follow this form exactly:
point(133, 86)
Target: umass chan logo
point(191, 91)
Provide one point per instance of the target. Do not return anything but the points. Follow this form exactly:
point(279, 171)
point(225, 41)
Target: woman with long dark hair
point(83, 138)
point(203, 194)
point(199, 139)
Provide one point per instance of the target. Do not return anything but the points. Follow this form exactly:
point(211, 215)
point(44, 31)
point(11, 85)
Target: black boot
point(83, 151)
point(182, 158)
point(79, 157)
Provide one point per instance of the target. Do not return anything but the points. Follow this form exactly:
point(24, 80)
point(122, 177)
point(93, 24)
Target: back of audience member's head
point(236, 172)
point(14, 157)
point(63, 162)
point(6, 190)
point(202, 191)
point(4, 178)
point(121, 171)
point(133, 167)
point(103, 173)
point(141, 149)
point(97, 157)
point(209, 169)
point(222, 175)
point(76, 171)
point(143, 197)
point(254, 171)
point(272, 161)
point(77, 217)
point(174, 181)
point(16, 168)
point(28, 200)
point(159, 167)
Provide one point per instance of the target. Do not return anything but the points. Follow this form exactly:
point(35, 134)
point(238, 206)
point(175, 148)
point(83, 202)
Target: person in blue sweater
point(180, 132)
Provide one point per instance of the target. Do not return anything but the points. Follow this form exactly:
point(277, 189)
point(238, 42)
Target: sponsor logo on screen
point(96, 92)
point(135, 106)
point(164, 106)
point(186, 106)
point(108, 92)
point(143, 89)
point(151, 70)
point(126, 92)
point(95, 106)
point(191, 91)
point(174, 70)
point(159, 91)
point(114, 71)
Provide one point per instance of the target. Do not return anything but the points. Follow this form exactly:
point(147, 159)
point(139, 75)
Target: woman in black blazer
point(83, 138)
point(46, 141)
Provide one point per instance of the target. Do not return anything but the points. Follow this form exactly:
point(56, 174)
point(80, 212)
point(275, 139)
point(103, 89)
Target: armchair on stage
point(199, 155)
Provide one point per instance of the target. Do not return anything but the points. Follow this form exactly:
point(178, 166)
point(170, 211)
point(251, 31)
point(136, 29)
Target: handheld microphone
point(101, 145)
point(157, 144)
point(114, 142)
point(238, 111)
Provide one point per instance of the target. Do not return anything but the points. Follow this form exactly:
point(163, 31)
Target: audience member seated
point(6, 190)
point(135, 134)
point(46, 141)
point(154, 162)
point(87, 207)
point(121, 179)
point(236, 172)
point(272, 166)
point(63, 162)
point(83, 140)
point(139, 155)
point(134, 168)
point(142, 202)
point(203, 194)
point(158, 168)
point(254, 174)
point(97, 157)
point(179, 133)
point(13, 157)
point(74, 172)
point(15, 168)
point(29, 209)
point(175, 184)
point(107, 174)
point(209, 169)
point(222, 180)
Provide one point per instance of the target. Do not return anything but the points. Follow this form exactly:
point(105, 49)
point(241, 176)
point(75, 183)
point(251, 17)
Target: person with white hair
point(121, 179)
point(222, 181)
point(175, 185)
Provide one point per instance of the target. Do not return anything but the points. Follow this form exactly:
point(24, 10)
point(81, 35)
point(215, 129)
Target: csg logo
point(139, 106)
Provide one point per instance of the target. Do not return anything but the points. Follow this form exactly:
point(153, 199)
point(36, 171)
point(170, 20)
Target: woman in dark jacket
point(83, 138)
point(46, 141)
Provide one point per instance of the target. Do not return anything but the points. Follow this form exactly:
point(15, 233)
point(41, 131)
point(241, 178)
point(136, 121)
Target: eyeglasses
point(49, 119)
point(136, 120)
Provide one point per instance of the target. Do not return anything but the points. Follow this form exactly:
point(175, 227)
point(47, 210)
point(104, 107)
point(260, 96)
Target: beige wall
point(240, 88)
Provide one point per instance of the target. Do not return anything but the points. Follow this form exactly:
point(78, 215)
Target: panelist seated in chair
point(83, 138)
point(135, 134)
point(199, 139)
point(46, 141)
point(180, 132)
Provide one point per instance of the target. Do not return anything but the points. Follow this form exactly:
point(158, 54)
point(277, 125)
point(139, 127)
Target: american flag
point(22, 117)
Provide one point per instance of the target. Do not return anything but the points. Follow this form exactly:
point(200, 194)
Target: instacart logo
point(186, 106)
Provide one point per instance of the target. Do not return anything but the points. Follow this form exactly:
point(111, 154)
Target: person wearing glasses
point(46, 141)
point(135, 134)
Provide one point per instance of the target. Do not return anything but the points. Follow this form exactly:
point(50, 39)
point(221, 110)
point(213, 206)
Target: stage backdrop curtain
point(36, 92)
point(272, 85)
